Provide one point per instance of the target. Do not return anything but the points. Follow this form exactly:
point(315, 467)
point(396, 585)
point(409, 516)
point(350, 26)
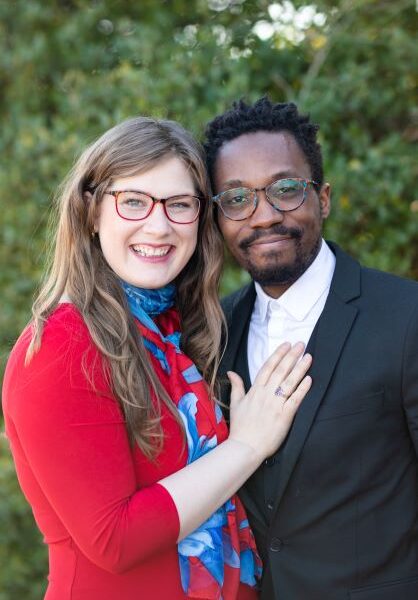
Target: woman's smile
point(150, 252)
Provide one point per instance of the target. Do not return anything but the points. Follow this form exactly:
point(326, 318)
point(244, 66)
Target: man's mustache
point(258, 234)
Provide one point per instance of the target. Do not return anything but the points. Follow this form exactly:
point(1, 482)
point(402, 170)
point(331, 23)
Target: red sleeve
point(76, 445)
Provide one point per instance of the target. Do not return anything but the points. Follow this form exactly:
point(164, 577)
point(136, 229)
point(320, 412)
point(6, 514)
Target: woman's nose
point(157, 221)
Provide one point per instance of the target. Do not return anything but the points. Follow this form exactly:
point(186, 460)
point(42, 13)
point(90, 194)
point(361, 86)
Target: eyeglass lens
point(137, 205)
point(284, 194)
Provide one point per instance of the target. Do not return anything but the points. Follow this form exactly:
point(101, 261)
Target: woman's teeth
point(150, 251)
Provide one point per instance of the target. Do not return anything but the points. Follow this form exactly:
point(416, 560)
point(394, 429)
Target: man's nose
point(265, 214)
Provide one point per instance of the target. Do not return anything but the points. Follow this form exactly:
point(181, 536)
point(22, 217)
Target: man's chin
point(271, 277)
point(281, 272)
point(278, 274)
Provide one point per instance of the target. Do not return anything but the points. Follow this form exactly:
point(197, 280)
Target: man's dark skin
point(335, 510)
point(274, 247)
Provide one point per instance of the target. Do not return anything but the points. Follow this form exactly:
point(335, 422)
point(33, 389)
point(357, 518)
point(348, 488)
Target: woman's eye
point(180, 205)
point(134, 202)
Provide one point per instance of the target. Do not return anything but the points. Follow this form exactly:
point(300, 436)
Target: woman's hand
point(262, 417)
point(260, 421)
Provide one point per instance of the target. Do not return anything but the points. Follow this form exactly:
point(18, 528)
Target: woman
point(118, 444)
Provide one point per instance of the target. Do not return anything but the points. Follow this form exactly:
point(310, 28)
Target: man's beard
point(279, 274)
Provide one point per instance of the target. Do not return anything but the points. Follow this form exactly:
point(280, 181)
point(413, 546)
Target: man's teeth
point(149, 251)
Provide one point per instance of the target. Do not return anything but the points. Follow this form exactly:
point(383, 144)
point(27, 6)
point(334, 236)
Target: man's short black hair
point(263, 115)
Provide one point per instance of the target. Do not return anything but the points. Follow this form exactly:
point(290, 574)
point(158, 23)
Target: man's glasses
point(136, 206)
point(284, 195)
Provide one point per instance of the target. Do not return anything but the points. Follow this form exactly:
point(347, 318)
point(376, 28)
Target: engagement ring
point(279, 391)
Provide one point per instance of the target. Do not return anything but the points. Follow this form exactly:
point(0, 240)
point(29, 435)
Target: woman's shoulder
point(65, 343)
point(64, 326)
point(66, 362)
point(67, 324)
point(64, 379)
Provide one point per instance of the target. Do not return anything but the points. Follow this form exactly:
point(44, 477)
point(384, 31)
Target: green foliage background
point(69, 69)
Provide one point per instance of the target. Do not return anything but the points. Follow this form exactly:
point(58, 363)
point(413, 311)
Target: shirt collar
point(299, 299)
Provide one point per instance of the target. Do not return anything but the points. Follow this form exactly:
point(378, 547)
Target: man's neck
point(275, 290)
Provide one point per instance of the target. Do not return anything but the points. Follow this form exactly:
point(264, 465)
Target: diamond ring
point(279, 391)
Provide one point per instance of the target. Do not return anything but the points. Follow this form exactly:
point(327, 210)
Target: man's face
point(274, 247)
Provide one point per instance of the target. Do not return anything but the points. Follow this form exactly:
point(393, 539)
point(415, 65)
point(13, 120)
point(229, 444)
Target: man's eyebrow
point(232, 183)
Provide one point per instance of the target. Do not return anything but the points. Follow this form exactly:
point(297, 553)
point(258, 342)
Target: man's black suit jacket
point(335, 510)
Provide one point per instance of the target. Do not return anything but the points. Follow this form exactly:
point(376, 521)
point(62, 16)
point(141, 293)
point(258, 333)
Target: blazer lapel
point(326, 345)
point(241, 360)
point(238, 318)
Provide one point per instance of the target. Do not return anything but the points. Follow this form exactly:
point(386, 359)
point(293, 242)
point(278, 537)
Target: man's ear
point(88, 198)
point(325, 200)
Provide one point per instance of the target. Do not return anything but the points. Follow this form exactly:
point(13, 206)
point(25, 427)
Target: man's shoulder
point(376, 279)
point(229, 302)
point(390, 292)
point(389, 280)
point(372, 288)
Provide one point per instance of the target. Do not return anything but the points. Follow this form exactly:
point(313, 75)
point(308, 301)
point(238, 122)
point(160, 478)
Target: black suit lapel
point(238, 317)
point(241, 359)
point(326, 345)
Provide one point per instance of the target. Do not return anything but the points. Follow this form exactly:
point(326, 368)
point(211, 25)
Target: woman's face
point(149, 253)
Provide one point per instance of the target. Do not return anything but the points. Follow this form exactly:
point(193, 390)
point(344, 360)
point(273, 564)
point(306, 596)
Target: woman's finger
point(294, 401)
point(290, 383)
point(237, 387)
point(287, 362)
point(271, 363)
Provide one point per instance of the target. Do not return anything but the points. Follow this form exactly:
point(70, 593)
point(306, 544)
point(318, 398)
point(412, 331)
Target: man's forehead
point(256, 140)
point(269, 154)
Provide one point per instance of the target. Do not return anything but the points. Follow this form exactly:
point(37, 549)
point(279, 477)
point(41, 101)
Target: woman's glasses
point(134, 205)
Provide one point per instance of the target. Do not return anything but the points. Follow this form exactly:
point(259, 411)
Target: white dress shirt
point(291, 317)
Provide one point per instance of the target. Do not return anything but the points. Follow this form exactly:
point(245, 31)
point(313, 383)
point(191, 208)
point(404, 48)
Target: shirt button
point(276, 544)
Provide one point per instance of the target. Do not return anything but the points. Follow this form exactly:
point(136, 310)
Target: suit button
point(269, 462)
point(276, 544)
point(270, 505)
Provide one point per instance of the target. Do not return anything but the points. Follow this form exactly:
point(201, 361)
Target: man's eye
point(238, 199)
point(291, 187)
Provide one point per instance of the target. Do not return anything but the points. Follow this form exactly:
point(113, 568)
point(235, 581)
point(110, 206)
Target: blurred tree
point(69, 69)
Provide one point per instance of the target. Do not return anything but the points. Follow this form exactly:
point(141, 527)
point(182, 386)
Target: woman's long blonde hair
point(78, 270)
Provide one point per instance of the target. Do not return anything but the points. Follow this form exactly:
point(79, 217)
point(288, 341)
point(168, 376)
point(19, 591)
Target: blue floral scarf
point(221, 553)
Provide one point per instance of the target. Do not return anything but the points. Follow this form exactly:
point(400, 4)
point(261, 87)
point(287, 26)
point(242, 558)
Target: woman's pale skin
point(150, 254)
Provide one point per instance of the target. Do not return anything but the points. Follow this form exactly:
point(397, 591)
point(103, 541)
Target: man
point(335, 511)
